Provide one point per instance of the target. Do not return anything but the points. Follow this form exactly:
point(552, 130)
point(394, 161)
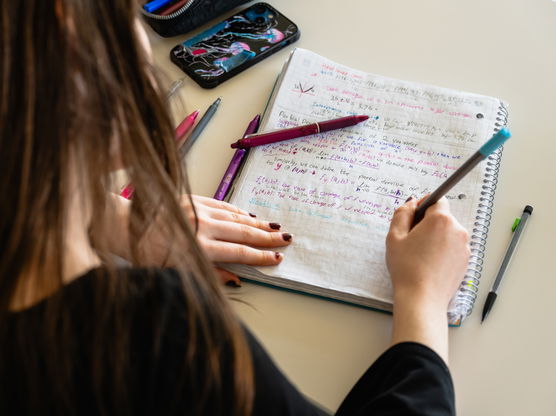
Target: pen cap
point(528, 208)
point(495, 142)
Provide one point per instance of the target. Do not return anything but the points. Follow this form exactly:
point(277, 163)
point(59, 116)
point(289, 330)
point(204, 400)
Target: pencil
point(494, 143)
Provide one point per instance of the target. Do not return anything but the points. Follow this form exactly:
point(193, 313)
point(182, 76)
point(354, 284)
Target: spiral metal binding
point(463, 302)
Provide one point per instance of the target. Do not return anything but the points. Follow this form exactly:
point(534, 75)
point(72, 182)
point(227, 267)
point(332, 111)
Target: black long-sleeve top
point(408, 379)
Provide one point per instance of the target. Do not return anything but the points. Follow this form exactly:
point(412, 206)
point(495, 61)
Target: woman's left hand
point(229, 234)
point(226, 233)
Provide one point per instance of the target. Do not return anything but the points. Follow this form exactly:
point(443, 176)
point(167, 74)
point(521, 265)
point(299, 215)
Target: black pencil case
point(192, 14)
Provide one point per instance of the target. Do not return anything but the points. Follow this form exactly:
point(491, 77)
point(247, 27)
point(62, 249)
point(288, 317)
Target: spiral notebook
point(336, 191)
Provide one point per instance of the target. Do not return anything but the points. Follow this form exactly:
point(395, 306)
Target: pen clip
point(259, 133)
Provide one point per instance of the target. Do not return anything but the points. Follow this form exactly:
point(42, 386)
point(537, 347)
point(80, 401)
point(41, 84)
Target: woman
point(80, 335)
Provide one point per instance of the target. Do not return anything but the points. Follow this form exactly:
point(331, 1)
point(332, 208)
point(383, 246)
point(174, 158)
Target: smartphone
point(234, 44)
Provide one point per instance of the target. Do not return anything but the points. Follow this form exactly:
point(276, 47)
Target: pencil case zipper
point(177, 13)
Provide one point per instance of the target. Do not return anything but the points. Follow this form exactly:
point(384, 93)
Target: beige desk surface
point(504, 48)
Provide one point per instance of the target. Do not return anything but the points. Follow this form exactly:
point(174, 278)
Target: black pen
point(517, 230)
point(486, 149)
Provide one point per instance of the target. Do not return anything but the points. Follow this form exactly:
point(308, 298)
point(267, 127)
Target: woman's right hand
point(427, 263)
point(430, 259)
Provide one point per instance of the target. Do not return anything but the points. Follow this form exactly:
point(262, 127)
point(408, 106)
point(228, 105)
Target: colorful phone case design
point(234, 44)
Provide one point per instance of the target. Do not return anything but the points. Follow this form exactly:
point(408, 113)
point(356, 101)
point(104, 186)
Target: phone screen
point(234, 44)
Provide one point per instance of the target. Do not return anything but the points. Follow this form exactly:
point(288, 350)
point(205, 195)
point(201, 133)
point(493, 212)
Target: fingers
point(228, 278)
point(402, 220)
point(211, 209)
point(221, 210)
point(233, 217)
point(213, 203)
point(440, 215)
point(225, 252)
point(245, 234)
point(228, 233)
point(441, 206)
point(420, 201)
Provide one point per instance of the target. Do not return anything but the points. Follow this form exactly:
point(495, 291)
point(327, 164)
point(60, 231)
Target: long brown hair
point(75, 85)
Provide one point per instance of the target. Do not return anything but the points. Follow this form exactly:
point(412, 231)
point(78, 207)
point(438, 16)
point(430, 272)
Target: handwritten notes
point(337, 191)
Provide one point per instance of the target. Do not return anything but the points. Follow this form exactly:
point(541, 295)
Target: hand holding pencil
point(426, 265)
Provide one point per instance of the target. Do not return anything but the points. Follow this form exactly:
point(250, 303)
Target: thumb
point(228, 278)
point(402, 220)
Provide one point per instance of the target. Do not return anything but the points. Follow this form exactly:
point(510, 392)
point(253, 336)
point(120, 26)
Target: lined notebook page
point(336, 191)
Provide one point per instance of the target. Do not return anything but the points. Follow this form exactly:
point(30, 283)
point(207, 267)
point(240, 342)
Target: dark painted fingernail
point(252, 215)
point(233, 283)
point(287, 236)
point(274, 225)
point(409, 199)
point(279, 256)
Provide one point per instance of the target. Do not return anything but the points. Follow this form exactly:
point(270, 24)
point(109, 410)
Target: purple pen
point(235, 163)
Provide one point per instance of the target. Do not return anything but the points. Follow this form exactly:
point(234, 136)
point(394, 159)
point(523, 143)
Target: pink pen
point(296, 132)
point(186, 125)
point(181, 131)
